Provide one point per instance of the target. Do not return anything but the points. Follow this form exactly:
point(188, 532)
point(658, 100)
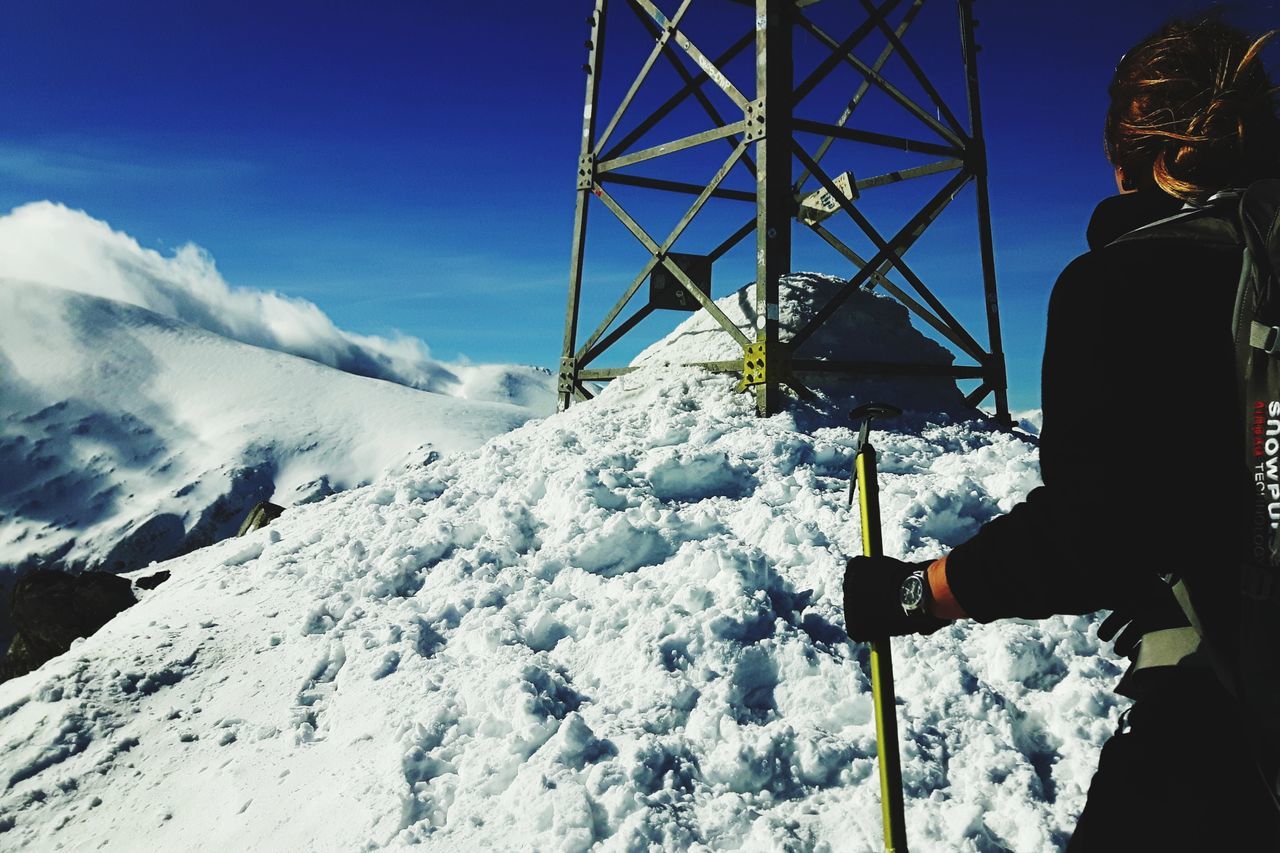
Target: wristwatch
point(914, 594)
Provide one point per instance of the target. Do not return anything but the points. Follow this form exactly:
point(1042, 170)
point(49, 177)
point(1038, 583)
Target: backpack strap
point(1167, 647)
point(1216, 221)
point(1264, 337)
point(1259, 212)
point(1260, 221)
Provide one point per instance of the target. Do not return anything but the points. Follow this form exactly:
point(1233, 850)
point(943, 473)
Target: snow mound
point(129, 436)
point(532, 388)
point(868, 326)
point(619, 627)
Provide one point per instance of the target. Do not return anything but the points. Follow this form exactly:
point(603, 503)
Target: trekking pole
point(864, 478)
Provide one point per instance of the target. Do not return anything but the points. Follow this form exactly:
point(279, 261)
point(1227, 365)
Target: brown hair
point(1192, 106)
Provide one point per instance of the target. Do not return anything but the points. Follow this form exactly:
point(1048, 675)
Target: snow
point(129, 436)
point(618, 627)
point(148, 404)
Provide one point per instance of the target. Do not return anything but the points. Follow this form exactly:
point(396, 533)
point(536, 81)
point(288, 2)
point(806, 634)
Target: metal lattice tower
point(768, 120)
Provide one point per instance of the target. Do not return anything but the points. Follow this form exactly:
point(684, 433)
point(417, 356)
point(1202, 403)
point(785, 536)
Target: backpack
point(1245, 653)
point(1256, 329)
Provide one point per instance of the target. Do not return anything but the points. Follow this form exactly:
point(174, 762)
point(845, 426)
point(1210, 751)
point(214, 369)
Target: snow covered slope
point(129, 436)
point(619, 627)
point(133, 428)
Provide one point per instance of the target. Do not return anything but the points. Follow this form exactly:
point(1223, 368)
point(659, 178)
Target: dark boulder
point(50, 609)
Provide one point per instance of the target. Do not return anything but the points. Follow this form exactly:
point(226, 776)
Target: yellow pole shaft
point(891, 807)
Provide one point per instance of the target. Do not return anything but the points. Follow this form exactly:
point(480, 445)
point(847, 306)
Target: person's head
point(1193, 111)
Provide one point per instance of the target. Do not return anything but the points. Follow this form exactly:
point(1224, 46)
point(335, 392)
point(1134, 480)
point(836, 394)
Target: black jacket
point(1140, 446)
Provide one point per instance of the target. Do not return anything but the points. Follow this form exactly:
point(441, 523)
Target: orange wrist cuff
point(945, 605)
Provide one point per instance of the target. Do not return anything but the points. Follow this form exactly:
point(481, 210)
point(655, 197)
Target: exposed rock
point(50, 609)
point(262, 514)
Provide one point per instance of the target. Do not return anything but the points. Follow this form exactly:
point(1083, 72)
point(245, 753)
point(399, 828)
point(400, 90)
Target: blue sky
point(410, 165)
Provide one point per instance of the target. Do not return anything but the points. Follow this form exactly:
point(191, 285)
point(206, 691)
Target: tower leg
point(995, 377)
point(774, 200)
point(586, 177)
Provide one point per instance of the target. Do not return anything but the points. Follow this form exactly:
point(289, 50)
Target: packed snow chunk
point(677, 476)
point(618, 628)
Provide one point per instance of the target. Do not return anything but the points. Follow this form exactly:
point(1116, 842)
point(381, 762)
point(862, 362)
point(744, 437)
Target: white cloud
point(51, 244)
point(76, 162)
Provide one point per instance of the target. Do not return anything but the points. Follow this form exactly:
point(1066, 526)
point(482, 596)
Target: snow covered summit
point(616, 628)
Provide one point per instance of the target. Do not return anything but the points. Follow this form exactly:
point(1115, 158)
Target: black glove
point(873, 599)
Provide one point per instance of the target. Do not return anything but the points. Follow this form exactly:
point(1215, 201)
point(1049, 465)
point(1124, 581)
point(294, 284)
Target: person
point(1140, 451)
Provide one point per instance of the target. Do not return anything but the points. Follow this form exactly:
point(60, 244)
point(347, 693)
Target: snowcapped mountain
point(147, 405)
point(618, 627)
point(130, 436)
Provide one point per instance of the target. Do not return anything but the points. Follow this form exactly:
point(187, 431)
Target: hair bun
point(1193, 105)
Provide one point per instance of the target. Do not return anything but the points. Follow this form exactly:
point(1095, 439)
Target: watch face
point(912, 592)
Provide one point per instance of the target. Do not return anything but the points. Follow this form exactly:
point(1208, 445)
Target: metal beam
point(673, 186)
point(900, 242)
point(885, 86)
point(880, 243)
point(863, 88)
point(601, 373)
point(775, 83)
point(835, 57)
point(594, 60)
point(732, 240)
point(671, 147)
point(907, 59)
point(580, 356)
point(705, 301)
point(616, 335)
point(907, 174)
point(768, 121)
point(701, 97)
point(957, 336)
point(709, 68)
point(997, 378)
point(676, 100)
point(658, 48)
point(657, 252)
point(887, 368)
point(975, 396)
point(884, 139)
